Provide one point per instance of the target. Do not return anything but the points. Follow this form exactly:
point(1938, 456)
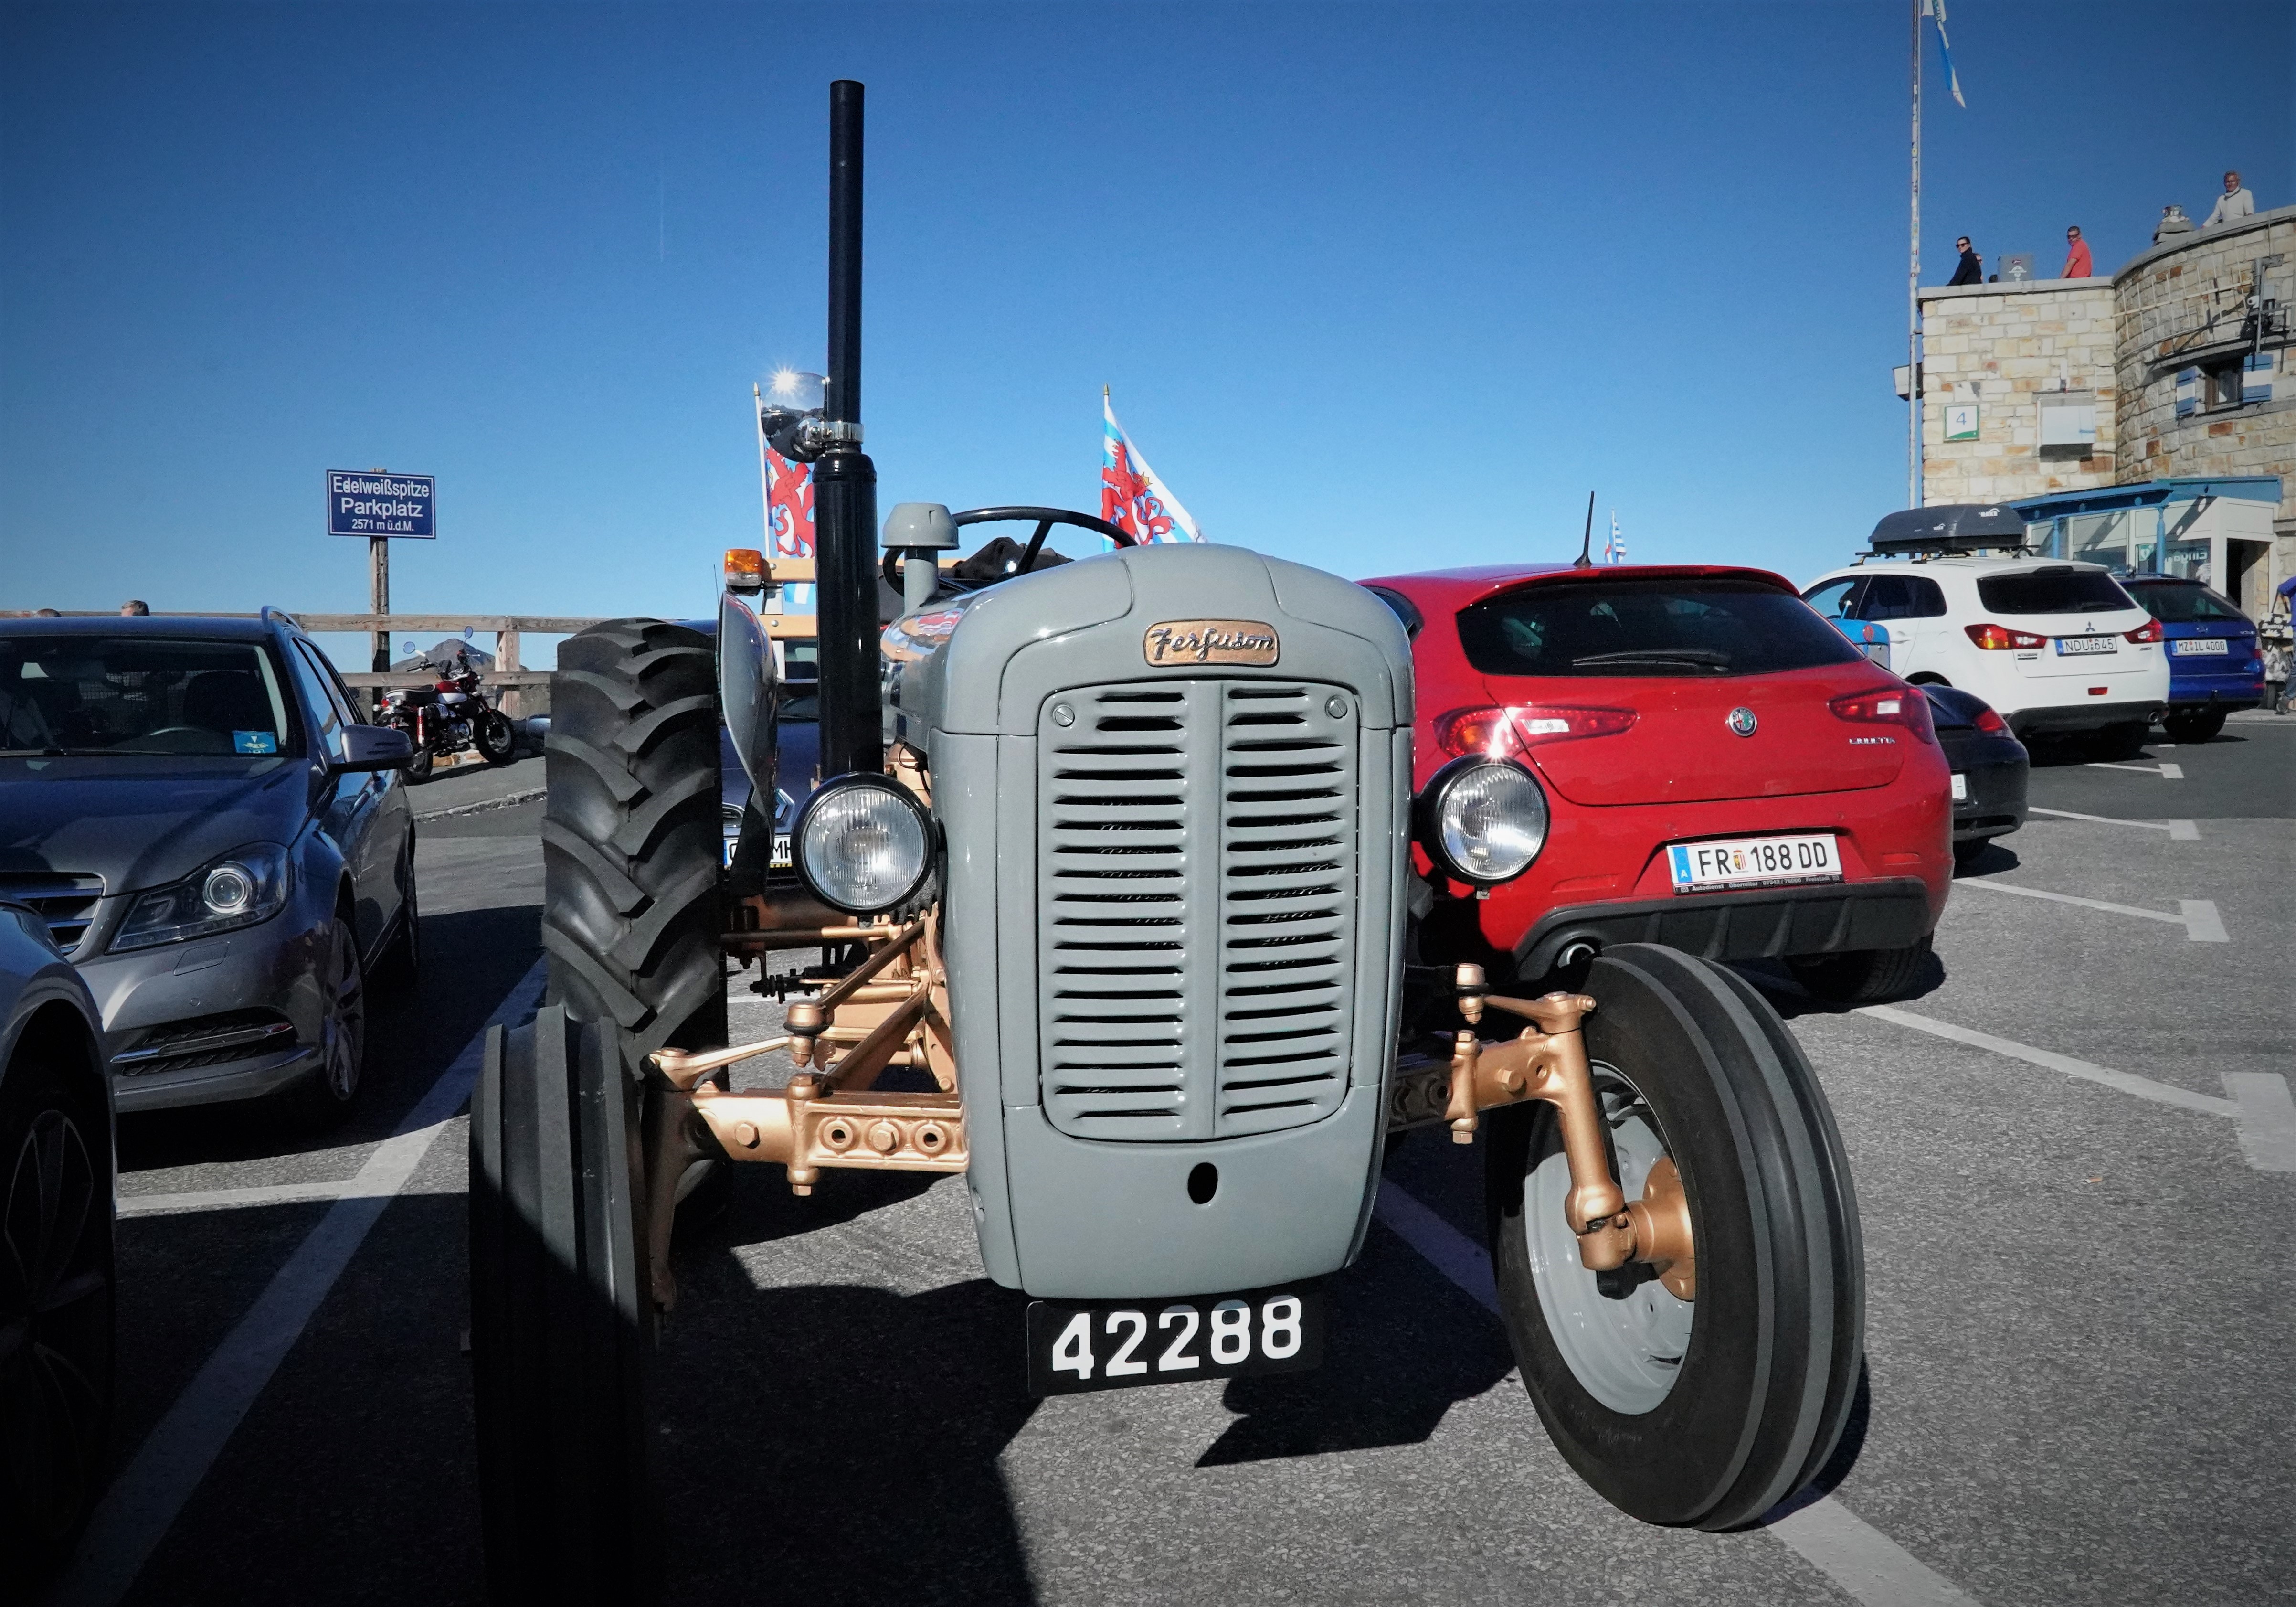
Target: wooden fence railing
point(508, 672)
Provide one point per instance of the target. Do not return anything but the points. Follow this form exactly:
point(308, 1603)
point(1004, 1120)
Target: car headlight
point(245, 886)
point(1483, 820)
point(863, 844)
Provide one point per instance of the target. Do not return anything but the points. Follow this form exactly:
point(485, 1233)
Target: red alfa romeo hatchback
point(1678, 754)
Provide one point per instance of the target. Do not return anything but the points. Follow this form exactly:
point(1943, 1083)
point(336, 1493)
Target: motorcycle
point(452, 715)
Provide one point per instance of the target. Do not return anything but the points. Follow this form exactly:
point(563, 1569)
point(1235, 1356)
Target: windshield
point(2056, 589)
point(2183, 602)
point(1656, 626)
point(143, 694)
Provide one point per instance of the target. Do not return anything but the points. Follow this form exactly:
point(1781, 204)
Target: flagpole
point(1913, 291)
point(765, 481)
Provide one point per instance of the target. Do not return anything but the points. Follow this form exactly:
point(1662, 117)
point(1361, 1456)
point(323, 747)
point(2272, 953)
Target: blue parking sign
point(371, 502)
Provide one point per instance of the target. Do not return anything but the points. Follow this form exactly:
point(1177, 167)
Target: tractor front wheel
point(1704, 1412)
point(560, 1323)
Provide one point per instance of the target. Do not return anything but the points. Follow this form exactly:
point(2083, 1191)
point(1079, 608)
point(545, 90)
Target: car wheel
point(495, 737)
point(2118, 741)
point(2197, 727)
point(332, 1092)
point(56, 1342)
point(631, 839)
point(1969, 851)
point(1707, 1411)
point(1866, 976)
point(402, 967)
point(562, 1332)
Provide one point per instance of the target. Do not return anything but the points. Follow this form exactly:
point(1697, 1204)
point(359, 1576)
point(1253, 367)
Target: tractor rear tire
point(1704, 1412)
point(561, 1329)
point(631, 840)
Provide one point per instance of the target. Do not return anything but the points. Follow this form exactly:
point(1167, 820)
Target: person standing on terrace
point(1972, 270)
point(2234, 204)
point(2077, 266)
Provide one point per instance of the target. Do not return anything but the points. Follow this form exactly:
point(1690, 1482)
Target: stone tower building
point(2054, 386)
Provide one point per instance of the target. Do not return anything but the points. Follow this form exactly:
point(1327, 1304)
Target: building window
point(2221, 385)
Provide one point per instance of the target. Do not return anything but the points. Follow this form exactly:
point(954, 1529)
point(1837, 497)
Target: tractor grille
point(67, 903)
point(1197, 906)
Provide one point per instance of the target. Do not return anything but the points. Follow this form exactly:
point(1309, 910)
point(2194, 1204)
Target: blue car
point(2214, 666)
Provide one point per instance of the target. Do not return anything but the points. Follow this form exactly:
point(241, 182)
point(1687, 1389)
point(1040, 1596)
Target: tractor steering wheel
point(1045, 518)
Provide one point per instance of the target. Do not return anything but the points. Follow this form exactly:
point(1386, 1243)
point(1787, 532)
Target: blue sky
point(1376, 287)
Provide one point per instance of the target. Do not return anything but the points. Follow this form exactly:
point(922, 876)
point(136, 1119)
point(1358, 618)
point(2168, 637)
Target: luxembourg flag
point(1131, 497)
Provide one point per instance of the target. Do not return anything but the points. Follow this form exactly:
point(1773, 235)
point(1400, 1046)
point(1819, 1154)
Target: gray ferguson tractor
point(1111, 866)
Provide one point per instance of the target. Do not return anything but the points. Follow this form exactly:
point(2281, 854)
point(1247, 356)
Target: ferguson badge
point(1212, 642)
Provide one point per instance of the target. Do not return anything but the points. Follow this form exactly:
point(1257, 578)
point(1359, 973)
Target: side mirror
point(374, 748)
point(747, 690)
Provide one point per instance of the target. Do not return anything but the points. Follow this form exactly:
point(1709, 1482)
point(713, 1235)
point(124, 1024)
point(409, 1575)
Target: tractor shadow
point(842, 1441)
point(833, 1442)
point(1404, 1343)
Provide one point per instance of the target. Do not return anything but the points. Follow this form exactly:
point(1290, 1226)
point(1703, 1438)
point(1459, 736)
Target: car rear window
point(142, 694)
point(2054, 589)
point(2182, 603)
point(1654, 626)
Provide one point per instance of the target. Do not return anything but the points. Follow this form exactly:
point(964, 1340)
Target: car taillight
point(2150, 631)
point(1890, 706)
point(1991, 723)
point(1499, 733)
point(1995, 638)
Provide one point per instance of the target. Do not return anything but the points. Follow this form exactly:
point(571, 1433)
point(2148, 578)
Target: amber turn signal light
point(746, 570)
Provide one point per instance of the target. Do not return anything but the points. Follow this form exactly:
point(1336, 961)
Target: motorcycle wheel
point(418, 767)
point(1706, 1412)
point(561, 1332)
point(495, 737)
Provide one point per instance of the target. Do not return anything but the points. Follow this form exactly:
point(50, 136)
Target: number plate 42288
point(1075, 1345)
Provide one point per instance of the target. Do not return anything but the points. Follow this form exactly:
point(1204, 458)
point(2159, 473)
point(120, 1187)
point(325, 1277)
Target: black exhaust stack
point(845, 481)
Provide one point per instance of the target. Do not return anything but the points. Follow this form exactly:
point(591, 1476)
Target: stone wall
point(2161, 298)
point(2000, 345)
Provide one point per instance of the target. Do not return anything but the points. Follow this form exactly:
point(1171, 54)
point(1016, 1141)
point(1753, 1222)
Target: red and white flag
point(1131, 497)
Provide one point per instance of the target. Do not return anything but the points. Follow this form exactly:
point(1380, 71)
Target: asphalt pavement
point(2078, 1250)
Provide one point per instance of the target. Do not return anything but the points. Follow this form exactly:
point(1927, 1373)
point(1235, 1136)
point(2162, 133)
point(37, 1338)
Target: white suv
point(2055, 647)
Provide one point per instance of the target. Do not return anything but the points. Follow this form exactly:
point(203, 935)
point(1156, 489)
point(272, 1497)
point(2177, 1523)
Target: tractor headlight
point(1483, 820)
point(863, 845)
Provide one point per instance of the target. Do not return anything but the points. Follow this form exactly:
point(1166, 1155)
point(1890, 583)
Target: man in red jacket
point(2076, 255)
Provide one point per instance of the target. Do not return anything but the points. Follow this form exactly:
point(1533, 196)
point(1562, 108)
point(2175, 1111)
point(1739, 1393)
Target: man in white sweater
point(2234, 204)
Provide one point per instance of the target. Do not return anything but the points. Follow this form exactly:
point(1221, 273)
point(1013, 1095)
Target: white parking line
point(2268, 1118)
point(239, 1198)
point(2128, 1082)
point(2197, 916)
point(2164, 770)
point(141, 1506)
point(2262, 1107)
point(1872, 1568)
point(2180, 831)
